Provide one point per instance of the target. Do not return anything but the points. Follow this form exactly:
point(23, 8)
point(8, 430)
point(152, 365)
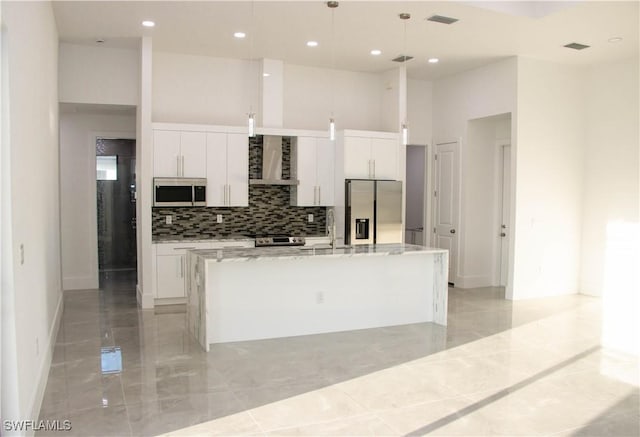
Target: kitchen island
point(250, 294)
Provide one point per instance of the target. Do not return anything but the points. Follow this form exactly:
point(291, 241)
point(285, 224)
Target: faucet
point(331, 227)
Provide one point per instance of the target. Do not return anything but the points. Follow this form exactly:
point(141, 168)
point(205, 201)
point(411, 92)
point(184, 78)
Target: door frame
point(93, 206)
point(433, 204)
point(426, 190)
point(500, 144)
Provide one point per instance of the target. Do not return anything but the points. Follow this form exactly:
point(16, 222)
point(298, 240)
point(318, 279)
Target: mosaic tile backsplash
point(269, 211)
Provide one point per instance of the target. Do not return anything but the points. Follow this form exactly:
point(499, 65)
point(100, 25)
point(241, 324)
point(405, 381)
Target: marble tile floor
point(500, 368)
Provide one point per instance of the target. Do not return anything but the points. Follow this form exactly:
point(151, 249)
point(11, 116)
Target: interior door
point(506, 208)
point(446, 202)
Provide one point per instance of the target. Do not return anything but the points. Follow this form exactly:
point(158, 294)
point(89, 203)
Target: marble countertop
point(298, 252)
point(221, 239)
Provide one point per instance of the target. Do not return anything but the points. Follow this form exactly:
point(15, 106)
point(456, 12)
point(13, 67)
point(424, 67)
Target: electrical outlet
point(168, 219)
point(310, 218)
point(320, 297)
point(219, 218)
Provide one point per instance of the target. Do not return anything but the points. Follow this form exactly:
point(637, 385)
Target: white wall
point(475, 94)
point(549, 175)
point(78, 191)
point(203, 89)
point(419, 111)
point(310, 93)
point(611, 163)
point(611, 215)
point(90, 74)
point(33, 142)
point(481, 199)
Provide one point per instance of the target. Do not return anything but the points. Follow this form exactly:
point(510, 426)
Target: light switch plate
point(219, 218)
point(168, 219)
point(310, 218)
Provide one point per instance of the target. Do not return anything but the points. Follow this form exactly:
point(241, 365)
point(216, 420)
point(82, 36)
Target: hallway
point(499, 368)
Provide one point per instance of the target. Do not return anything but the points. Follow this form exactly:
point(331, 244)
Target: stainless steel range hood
point(272, 163)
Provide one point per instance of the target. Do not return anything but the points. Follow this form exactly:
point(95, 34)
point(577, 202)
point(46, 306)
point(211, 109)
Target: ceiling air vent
point(576, 46)
point(402, 58)
point(442, 19)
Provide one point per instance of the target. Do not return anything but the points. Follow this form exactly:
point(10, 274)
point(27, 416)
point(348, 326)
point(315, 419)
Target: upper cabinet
point(179, 154)
point(227, 169)
point(313, 166)
point(370, 155)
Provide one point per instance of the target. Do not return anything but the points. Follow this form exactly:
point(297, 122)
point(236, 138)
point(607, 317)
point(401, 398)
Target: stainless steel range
point(278, 240)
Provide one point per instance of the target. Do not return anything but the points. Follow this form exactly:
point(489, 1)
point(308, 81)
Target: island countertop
point(298, 252)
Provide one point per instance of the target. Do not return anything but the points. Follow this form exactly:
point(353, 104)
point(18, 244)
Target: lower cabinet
point(170, 276)
point(170, 266)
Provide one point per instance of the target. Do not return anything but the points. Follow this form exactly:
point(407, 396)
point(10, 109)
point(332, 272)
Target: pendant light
point(332, 123)
point(404, 129)
point(252, 116)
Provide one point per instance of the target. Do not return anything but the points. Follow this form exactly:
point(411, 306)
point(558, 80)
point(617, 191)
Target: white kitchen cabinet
point(227, 168)
point(370, 158)
point(170, 266)
point(384, 154)
point(179, 154)
point(314, 169)
point(170, 276)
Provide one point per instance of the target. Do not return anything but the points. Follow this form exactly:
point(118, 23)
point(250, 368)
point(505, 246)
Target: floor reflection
point(118, 370)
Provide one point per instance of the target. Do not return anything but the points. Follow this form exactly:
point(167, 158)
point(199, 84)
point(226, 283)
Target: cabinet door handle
point(229, 196)
point(182, 266)
point(177, 165)
point(319, 195)
point(374, 168)
point(315, 195)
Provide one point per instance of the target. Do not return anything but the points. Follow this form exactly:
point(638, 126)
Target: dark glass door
point(116, 204)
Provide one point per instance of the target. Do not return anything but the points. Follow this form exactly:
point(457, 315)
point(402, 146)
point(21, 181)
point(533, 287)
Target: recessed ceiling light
point(266, 74)
point(312, 43)
point(376, 52)
point(239, 34)
point(615, 39)
point(433, 60)
point(148, 23)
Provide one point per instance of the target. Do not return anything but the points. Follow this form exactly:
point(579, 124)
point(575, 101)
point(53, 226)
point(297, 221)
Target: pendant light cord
point(333, 61)
point(251, 26)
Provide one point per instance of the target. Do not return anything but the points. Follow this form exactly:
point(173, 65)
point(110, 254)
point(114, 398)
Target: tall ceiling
point(486, 31)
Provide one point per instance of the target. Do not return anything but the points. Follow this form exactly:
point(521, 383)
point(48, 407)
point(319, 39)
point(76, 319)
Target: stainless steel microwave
point(179, 192)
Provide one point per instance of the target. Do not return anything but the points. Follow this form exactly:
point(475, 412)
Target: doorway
point(116, 208)
point(416, 176)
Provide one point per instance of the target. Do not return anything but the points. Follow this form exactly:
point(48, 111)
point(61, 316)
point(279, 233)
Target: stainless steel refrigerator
point(373, 211)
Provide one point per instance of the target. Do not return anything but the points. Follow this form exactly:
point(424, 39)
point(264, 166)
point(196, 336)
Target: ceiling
point(485, 32)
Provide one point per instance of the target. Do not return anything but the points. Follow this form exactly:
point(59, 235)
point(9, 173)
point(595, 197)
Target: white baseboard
point(80, 283)
point(473, 281)
point(145, 301)
point(170, 301)
point(45, 362)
